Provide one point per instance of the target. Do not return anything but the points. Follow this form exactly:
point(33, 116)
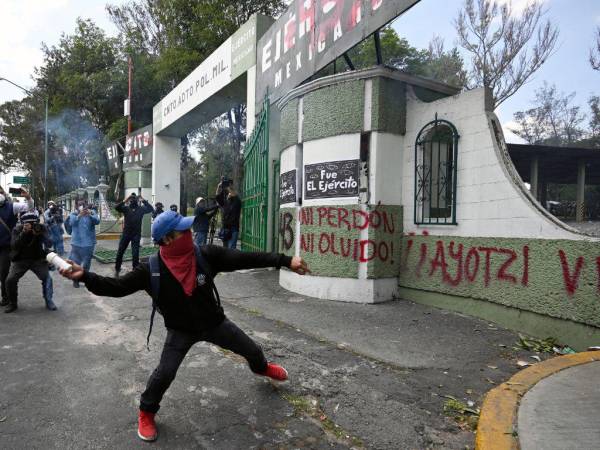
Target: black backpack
point(202, 269)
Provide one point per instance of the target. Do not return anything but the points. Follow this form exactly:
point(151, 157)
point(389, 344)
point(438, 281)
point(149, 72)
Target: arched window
point(436, 150)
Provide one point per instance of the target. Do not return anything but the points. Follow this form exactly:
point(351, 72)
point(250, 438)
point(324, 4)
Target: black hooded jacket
point(192, 314)
point(134, 216)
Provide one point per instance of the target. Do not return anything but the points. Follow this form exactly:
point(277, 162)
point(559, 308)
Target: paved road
point(561, 411)
point(370, 377)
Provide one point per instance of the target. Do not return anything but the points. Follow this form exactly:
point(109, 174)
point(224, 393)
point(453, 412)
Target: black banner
point(114, 154)
point(287, 187)
point(138, 148)
point(311, 34)
point(331, 179)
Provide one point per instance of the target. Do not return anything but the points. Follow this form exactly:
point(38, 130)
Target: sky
point(25, 24)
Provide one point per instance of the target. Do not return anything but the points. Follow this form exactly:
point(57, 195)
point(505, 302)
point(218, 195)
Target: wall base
point(341, 289)
point(578, 336)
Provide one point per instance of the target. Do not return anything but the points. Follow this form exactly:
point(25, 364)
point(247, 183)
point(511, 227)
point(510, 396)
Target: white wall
point(491, 199)
point(166, 170)
point(385, 168)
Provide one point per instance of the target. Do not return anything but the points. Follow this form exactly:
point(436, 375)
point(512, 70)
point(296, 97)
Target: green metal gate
point(256, 186)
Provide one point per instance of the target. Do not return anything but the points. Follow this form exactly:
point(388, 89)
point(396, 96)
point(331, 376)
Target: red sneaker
point(276, 372)
point(146, 426)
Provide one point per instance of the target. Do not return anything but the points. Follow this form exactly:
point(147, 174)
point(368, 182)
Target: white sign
point(207, 79)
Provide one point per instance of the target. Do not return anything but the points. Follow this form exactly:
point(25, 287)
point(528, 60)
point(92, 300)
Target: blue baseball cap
point(169, 221)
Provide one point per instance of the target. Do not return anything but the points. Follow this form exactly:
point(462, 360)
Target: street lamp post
point(45, 138)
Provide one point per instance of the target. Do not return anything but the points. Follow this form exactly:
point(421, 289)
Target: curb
point(497, 421)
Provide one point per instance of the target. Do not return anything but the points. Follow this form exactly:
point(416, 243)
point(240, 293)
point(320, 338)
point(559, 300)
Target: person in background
point(231, 205)
point(29, 246)
point(173, 207)
point(53, 218)
point(83, 236)
point(9, 214)
point(202, 216)
point(159, 208)
point(133, 213)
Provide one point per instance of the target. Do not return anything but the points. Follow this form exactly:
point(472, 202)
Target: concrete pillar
point(274, 148)
point(73, 196)
point(91, 190)
point(80, 194)
point(543, 193)
point(580, 200)
point(166, 170)
point(103, 207)
point(533, 178)
point(250, 100)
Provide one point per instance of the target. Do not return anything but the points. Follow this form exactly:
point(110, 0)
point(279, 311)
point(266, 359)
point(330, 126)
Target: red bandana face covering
point(180, 259)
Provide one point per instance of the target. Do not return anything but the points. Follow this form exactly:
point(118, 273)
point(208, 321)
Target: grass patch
point(536, 345)
point(107, 256)
point(310, 407)
point(462, 413)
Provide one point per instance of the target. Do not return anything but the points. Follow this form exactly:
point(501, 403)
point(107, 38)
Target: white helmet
point(199, 199)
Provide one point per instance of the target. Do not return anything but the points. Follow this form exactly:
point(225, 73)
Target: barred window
point(436, 150)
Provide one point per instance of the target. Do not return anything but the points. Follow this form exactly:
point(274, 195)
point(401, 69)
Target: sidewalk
point(552, 405)
point(561, 411)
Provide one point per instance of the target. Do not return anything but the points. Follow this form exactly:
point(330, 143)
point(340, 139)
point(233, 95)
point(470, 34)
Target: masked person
point(9, 213)
point(53, 218)
point(132, 230)
point(173, 207)
point(29, 247)
point(83, 236)
point(159, 208)
point(180, 278)
point(202, 215)
point(231, 205)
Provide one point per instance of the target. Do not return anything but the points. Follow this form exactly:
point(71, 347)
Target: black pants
point(20, 268)
point(126, 238)
point(4, 268)
point(227, 336)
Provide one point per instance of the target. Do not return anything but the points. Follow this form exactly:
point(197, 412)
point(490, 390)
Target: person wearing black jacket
point(132, 228)
point(203, 214)
point(189, 303)
point(158, 210)
point(29, 244)
point(231, 205)
point(9, 213)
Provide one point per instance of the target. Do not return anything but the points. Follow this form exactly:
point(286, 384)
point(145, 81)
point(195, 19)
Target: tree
point(595, 52)
point(176, 36)
point(505, 50)
point(435, 62)
point(553, 120)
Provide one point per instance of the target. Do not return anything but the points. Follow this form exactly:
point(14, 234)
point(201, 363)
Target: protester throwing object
point(132, 229)
point(83, 240)
point(29, 244)
point(180, 277)
point(53, 218)
point(9, 213)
